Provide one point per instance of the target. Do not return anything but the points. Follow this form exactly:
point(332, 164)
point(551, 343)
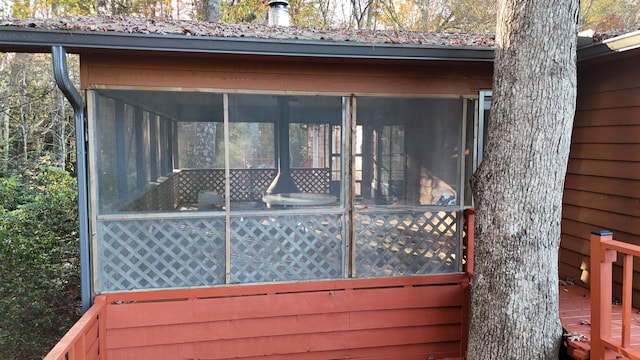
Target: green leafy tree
point(608, 15)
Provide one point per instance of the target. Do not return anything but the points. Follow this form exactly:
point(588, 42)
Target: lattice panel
point(160, 253)
point(392, 244)
point(246, 185)
point(192, 182)
point(250, 184)
point(285, 248)
point(312, 180)
point(161, 197)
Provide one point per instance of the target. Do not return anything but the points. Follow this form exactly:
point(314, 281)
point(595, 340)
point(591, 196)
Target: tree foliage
point(39, 264)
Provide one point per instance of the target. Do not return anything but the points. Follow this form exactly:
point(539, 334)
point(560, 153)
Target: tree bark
point(518, 187)
point(211, 10)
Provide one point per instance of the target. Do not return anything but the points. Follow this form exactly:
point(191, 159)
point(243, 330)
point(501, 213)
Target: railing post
point(471, 223)
point(601, 292)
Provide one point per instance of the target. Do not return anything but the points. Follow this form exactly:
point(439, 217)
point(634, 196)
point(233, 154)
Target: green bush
point(39, 261)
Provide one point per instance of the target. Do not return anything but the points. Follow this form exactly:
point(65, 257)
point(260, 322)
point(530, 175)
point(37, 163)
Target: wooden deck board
point(575, 315)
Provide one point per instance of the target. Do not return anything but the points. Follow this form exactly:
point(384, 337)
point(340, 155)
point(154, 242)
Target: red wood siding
point(602, 188)
point(283, 74)
point(394, 318)
point(84, 341)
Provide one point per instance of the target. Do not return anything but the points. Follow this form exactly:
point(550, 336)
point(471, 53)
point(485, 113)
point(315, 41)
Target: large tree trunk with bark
point(518, 187)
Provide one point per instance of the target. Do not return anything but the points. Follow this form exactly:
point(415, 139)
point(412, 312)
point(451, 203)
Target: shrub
point(39, 261)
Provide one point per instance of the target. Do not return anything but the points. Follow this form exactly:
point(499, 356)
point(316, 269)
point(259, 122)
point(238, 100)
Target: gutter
point(37, 40)
point(618, 44)
point(61, 75)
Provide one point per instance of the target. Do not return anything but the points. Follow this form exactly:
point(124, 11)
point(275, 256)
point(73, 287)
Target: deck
point(575, 315)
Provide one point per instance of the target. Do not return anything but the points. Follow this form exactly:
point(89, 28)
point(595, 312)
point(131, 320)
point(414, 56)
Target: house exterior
point(300, 195)
point(601, 187)
point(256, 191)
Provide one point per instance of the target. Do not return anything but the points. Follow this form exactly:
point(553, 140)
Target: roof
point(609, 43)
point(118, 33)
point(80, 34)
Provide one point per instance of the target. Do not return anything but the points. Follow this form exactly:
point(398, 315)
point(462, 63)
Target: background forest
point(39, 270)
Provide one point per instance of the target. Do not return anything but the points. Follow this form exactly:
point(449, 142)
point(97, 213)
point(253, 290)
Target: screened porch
point(202, 188)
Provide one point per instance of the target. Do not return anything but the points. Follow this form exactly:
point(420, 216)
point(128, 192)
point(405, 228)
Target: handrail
point(86, 336)
point(604, 252)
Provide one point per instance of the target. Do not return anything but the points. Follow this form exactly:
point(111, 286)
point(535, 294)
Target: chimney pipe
point(279, 13)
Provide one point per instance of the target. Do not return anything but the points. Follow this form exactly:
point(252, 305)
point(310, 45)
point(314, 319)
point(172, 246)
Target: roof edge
point(618, 44)
point(38, 40)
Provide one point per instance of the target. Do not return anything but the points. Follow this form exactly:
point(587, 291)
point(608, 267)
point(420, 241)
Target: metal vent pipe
point(278, 13)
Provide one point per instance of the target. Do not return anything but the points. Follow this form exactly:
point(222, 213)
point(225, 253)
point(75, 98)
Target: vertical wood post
point(601, 292)
point(471, 223)
point(627, 290)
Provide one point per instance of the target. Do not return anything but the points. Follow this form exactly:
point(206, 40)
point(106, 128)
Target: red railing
point(85, 340)
point(604, 252)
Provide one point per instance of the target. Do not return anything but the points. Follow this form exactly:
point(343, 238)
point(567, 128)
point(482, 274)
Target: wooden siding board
point(269, 75)
point(617, 98)
point(618, 169)
point(405, 352)
point(607, 117)
point(444, 350)
point(603, 185)
point(160, 313)
point(603, 219)
point(611, 152)
point(606, 134)
point(576, 244)
point(281, 326)
point(306, 343)
point(603, 202)
point(283, 288)
point(598, 78)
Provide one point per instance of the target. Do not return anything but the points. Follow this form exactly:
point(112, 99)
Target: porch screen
point(205, 188)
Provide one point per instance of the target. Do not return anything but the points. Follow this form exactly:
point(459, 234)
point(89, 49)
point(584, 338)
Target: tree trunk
point(518, 187)
point(211, 10)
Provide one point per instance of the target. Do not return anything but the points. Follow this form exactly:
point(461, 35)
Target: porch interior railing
point(183, 186)
point(604, 252)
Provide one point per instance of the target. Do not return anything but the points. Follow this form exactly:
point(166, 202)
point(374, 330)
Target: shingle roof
point(119, 24)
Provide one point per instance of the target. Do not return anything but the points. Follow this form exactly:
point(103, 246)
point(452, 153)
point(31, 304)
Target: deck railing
point(604, 252)
point(85, 340)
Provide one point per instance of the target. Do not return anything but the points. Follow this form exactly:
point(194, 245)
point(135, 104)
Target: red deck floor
point(575, 315)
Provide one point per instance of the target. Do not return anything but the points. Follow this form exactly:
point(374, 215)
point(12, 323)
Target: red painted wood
point(627, 291)
point(603, 254)
point(244, 307)
point(288, 321)
point(81, 342)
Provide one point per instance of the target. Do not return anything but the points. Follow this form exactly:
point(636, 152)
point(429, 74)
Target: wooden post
point(471, 223)
point(600, 277)
point(627, 290)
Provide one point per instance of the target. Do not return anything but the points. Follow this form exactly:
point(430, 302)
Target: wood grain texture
point(251, 73)
point(400, 318)
point(602, 187)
